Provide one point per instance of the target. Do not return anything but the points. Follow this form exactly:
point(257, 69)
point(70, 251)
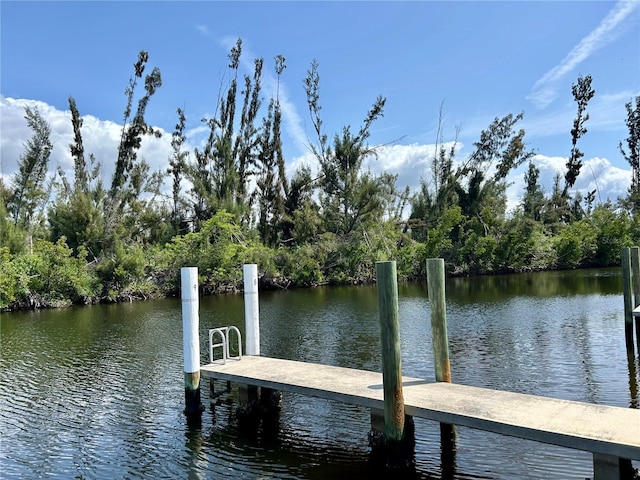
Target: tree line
point(80, 240)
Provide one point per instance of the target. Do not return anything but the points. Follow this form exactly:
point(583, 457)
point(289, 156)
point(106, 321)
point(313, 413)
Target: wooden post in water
point(191, 342)
point(391, 358)
point(635, 279)
point(251, 309)
point(625, 256)
point(437, 302)
point(442, 365)
point(623, 467)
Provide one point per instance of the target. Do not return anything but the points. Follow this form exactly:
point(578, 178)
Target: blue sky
point(479, 59)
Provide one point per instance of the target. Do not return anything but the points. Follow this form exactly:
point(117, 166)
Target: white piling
point(251, 310)
point(191, 341)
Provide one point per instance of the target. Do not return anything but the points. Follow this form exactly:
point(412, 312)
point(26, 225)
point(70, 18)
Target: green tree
point(632, 154)
point(500, 148)
point(134, 128)
point(348, 196)
point(126, 181)
point(218, 249)
point(78, 211)
point(576, 245)
point(533, 200)
point(301, 221)
point(523, 245)
point(582, 94)
point(477, 187)
point(221, 172)
point(439, 237)
point(177, 167)
point(556, 210)
point(434, 198)
point(614, 230)
point(12, 238)
point(81, 175)
point(29, 191)
point(271, 182)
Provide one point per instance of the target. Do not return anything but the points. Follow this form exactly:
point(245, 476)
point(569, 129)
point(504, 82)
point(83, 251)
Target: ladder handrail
point(224, 343)
point(238, 338)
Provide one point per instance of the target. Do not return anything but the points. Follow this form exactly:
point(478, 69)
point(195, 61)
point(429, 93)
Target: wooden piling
point(386, 277)
point(251, 309)
point(442, 365)
point(191, 342)
point(625, 256)
point(635, 280)
point(437, 303)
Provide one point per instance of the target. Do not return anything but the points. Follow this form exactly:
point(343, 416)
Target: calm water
point(97, 392)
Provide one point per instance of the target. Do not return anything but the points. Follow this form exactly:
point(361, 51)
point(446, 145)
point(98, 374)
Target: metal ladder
point(223, 333)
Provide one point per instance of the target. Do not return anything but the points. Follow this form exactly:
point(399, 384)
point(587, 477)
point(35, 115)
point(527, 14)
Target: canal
point(97, 392)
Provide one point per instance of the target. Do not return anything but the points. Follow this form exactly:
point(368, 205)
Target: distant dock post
point(398, 440)
point(191, 343)
point(627, 289)
point(438, 306)
point(635, 276)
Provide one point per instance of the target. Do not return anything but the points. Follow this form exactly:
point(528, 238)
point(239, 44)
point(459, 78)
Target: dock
point(612, 432)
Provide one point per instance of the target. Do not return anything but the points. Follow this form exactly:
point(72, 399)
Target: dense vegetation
point(78, 240)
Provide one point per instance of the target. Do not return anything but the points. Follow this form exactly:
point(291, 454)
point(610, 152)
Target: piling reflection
point(448, 451)
point(194, 447)
point(633, 379)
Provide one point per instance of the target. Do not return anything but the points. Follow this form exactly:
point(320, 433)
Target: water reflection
point(497, 288)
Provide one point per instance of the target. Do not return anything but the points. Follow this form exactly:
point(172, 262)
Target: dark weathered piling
point(191, 343)
point(442, 365)
point(635, 280)
point(391, 356)
point(625, 256)
point(398, 443)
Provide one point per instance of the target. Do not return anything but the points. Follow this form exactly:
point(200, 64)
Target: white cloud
point(204, 30)
point(412, 163)
point(15, 133)
point(396, 157)
point(544, 90)
point(609, 181)
point(100, 137)
point(292, 121)
point(307, 160)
